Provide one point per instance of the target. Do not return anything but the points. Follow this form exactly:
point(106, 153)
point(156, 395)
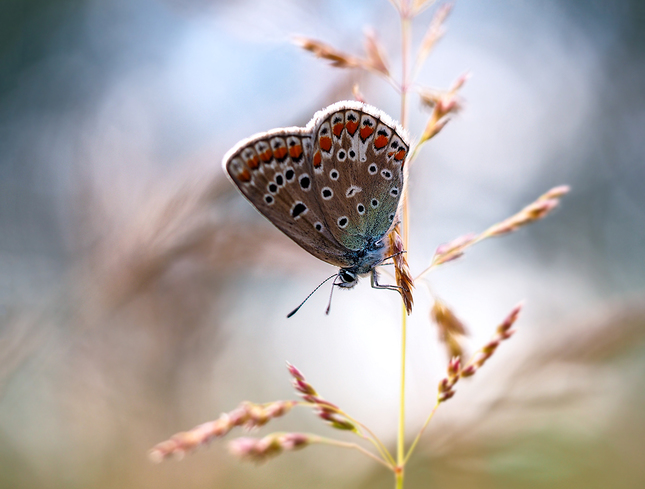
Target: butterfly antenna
point(330, 294)
point(312, 293)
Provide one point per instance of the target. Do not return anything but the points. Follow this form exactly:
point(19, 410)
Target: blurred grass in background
point(140, 295)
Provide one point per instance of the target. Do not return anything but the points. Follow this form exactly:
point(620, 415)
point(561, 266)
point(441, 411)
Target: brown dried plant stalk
point(443, 104)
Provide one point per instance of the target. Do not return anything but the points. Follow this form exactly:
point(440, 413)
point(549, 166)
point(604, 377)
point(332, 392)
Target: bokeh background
point(141, 295)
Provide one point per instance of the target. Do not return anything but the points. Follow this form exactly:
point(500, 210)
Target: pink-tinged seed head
point(291, 441)
point(444, 396)
point(469, 370)
point(295, 372)
point(454, 366)
point(304, 387)
point(557, 192)
point(459, 82)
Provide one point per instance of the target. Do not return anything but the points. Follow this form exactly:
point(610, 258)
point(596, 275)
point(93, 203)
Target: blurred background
point(141, 295)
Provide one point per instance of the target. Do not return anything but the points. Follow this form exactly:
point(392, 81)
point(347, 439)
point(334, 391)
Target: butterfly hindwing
point(358, 154)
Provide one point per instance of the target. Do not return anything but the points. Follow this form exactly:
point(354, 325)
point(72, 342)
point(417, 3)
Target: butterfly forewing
point(358, 154)
point(272, 172)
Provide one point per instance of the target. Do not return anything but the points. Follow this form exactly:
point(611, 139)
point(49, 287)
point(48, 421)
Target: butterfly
point(333, 186)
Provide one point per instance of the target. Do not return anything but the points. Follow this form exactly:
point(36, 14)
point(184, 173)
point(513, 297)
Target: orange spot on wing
point(317, 159)
point(295, 151)
point(390, 154)
point(280, 153)
point(380, 142)
point(325, 143)
point(338, 129)
point(400, 155)
point(366, 132)
point(351, 127)
point(266, 156)
point(244, 176)
point(253, 163)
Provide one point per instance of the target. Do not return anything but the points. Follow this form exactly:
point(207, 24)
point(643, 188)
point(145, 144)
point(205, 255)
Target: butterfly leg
point(376, 285)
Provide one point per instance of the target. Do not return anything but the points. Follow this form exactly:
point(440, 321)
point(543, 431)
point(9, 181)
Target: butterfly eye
point(346, 276)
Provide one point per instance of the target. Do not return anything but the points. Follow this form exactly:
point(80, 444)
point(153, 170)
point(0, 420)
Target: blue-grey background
point(141, 295)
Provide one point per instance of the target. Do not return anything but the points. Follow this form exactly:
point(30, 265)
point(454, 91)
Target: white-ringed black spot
point(361, 209)
point(352, 154)
point(298, 209)
point(273, 188)
point(269, 199)
point(394, 145)
point(342, 222)
point(327, 193)
point(394, 191)
point(279, 179)
point(289, 174)
point(387, 174)
point(374, 203)
point(318, 226)
point(391, 216)
point(353, 190)
point(305, 182)
point(373, 169)
point(334, 174)
point(341, 155)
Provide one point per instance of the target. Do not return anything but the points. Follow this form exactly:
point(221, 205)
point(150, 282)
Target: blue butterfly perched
point(333, 186)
